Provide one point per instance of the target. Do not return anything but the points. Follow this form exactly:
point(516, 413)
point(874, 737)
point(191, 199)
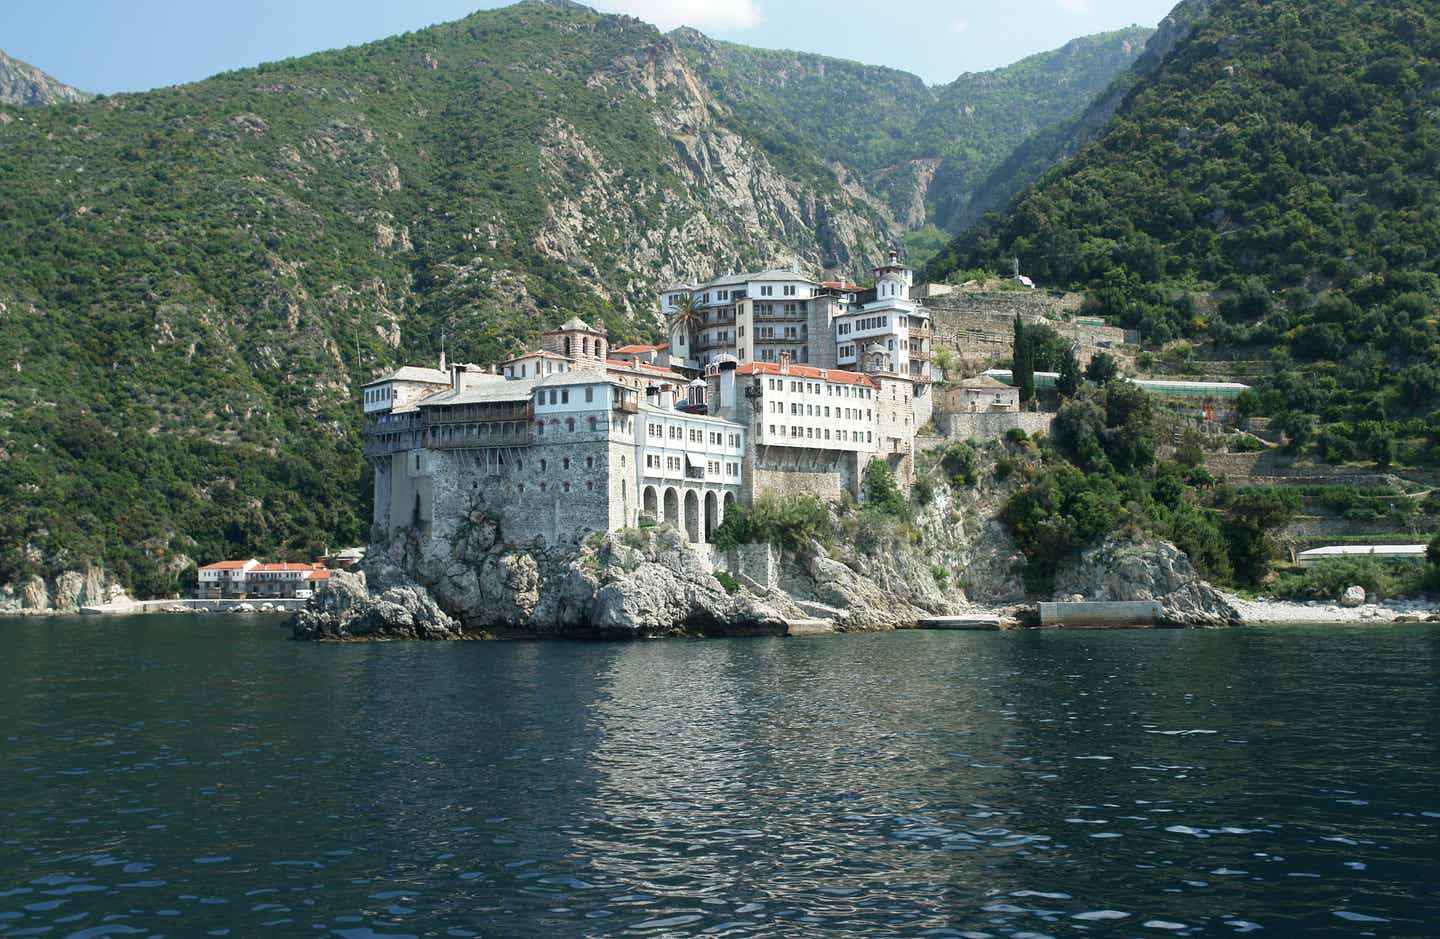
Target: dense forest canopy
point(1272, 191)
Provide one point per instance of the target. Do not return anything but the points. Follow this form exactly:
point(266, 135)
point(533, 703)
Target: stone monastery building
point(772, 383)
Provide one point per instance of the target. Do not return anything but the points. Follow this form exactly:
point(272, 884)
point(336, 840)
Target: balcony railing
point(522, 438)
point(628, 406)
point(472, 414)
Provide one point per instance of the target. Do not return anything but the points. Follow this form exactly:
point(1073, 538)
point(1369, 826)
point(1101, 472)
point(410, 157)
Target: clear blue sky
point(131, 45)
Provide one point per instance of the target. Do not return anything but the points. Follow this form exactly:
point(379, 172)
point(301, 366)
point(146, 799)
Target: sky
point(109, 46)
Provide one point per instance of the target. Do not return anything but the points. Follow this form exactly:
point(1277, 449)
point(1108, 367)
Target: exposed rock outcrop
point(344, 609)
point(66, 593)
point(1118, 569)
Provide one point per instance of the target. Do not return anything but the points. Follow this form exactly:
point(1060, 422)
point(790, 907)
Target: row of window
point(792, 333)
point(562, 487)
point(823, 433)
point(818, 388)
point(674, 464)
point(376, 395)
point(696, 435)
point(815, 410)
point(561, 395)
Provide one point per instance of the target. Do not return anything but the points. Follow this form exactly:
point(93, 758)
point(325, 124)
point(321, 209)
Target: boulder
point(342, 608)
point(1121, 570)
point(1352, 597)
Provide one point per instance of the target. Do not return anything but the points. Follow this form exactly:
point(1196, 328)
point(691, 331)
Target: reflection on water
point(198, 776)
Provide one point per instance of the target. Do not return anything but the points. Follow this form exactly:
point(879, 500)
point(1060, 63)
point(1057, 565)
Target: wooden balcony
point(478, 441)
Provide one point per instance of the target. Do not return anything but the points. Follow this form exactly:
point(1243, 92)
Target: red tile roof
point(634, 349)
point(284, 568)
point(838, 285)
point(226, 565)
point(645, 367)
point(318, 575)
point(834, 375)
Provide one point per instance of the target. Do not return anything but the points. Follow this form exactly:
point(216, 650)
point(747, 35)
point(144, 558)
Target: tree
point(686, 319)
point(1069, 381)
point(1102, 369)
point(1432, 553)
point(881, 490)
point(1023, 366)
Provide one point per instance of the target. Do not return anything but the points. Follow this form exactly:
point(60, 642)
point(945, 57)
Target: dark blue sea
point(188, 776)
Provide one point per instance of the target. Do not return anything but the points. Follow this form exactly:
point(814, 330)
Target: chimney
point(667, 399)
point(785, 362)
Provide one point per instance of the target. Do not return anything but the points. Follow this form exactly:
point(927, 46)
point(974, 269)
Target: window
point(565, 463)
point(734, 440)
point(789, 291)
point(567, 486)
point(570, 424)
point(652, 461)
point(589, 395)
point(589, 462)
point(565, 396)
point(677, 433)
point(543, 464)
point(767, 291)
point(655, 430)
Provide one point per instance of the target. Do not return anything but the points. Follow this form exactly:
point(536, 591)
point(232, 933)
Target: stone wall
point(793, 471)
point(991, 425)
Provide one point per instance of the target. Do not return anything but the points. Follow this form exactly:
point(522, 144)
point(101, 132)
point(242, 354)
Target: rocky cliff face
point(26, 86)
point(1119, 569)
point(66, 592)
point(651, 583)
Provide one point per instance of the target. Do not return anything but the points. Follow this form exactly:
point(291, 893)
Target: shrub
point(1246, 443)
point(1333, 576)
point(730, 584)
point(924, 491)
point(881, 491)
point(791, 521)
point(1016, 435)
point(941, 575)
point(960, 463)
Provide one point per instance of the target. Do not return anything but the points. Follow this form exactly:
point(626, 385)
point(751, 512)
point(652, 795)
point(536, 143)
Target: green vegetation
point(882, 492)
point(898, 134)
point(792, 522)
point(731, 585)
point(1267, 191)
point(1330, 578)
point(960, 461)
point(1098, 474)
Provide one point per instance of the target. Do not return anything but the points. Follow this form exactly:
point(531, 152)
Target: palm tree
point(686, 316)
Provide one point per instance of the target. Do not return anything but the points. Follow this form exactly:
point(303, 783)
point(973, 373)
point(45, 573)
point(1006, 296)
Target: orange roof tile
point(634, 349)
point(645, 367)
point(283, 568)
point(318, 575)
point(226, 565)
point(833, 375)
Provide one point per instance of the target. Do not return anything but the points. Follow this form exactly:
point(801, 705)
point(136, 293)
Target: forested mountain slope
point(922, 149)
point(24, 85)
point(1284, 162)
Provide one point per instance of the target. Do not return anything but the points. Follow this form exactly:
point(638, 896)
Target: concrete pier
point(283, 605)
point(1102, 614)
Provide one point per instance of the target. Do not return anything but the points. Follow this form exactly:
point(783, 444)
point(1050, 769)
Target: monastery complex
point(772, 382)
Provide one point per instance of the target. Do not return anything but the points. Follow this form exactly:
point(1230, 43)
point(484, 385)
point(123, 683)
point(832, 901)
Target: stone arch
point(692, 516)
point(672, 507)
point(650, 504)
point(712, 515)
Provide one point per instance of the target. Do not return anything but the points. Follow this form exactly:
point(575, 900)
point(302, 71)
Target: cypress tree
point(1023, 367)
point(1069, 381)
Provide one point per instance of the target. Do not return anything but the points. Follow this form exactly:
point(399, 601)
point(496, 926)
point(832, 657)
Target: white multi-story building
point(564, 440)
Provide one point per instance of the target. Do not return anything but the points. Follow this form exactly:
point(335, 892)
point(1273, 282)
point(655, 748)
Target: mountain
point(23, 85)
point(1269, 191)
point(195, 280)
point(922, 149)
point(1049, 145)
